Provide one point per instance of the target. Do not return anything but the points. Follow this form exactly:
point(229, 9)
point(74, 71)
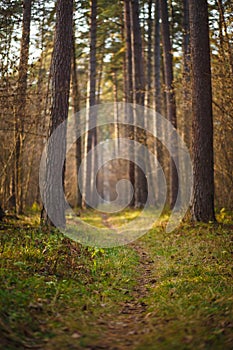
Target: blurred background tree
point(116, 63)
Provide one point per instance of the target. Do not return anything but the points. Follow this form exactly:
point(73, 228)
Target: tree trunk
point(137, 58)
point(129, 85)
point(138, 97)
point(116, 116)
point(186, 75)
point(228, 40)
point(170, 96)
point(76, 109)
point(90, 181)
point(149, 56)
point(100, 73)
point(157, 60)
point(54, 200)
point(158, 96)
point(20, 112)
point(203, 186)
point(2, 214)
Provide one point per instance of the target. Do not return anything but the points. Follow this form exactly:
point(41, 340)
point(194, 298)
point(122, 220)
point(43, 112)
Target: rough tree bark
point(170, 95)
point(186, 75)
point(138, 97)
point(21, 94)
point(61, 73)
point(202, 143)
point(76, 109)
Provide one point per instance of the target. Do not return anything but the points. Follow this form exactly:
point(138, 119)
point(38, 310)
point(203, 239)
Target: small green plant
point(224, 216)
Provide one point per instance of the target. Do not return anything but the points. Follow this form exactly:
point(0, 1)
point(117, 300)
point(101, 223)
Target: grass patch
point(56, 293)
point(51, 287)
point(191, 302)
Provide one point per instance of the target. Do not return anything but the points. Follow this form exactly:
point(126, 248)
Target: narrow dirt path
point(129, 326)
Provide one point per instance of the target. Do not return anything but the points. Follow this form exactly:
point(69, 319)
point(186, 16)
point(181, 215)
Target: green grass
point(191, 303)
point(51, 286)
point(55, 291)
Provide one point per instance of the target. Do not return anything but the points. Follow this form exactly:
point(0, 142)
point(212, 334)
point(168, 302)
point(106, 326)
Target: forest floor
point(164, 291)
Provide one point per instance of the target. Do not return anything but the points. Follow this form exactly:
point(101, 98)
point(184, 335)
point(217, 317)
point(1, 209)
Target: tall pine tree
point(202, 143)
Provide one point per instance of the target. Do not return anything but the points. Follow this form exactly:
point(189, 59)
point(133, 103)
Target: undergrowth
point(51, 285)
point(56, 293)
point(191, 300)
